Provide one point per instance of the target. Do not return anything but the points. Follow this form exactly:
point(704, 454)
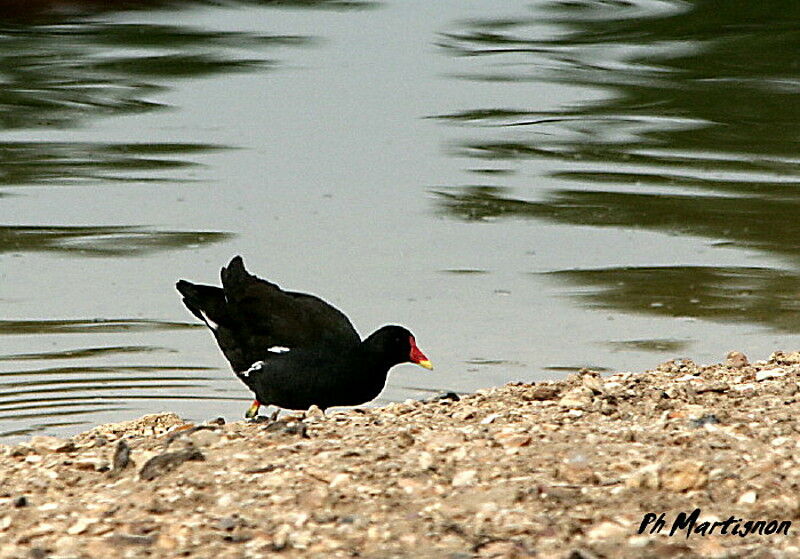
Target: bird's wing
point(266, 316)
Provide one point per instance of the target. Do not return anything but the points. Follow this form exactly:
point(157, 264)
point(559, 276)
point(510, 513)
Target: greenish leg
point(252, 411)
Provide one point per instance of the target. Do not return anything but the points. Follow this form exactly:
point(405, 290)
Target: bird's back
point(255, 320)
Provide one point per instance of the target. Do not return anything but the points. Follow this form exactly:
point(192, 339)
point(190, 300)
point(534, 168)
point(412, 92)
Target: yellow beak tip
point(426, 364)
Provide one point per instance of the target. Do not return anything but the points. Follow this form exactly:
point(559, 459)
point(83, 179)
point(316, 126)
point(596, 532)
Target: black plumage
point(294, 349)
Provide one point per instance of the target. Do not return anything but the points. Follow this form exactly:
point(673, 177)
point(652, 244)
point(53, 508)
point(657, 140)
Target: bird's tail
point(206, 302)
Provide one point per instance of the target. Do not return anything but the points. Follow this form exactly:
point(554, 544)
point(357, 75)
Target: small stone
point(21, 501)
point(577, 470)
point(314, 412)
point(463, 415)
point(579, 398)
point(205, 437)
point(593, 382)
point(718, 387)
point(647, 477)
point(464, 478)
point(43, 443)
point(281, 538)
point(130, 540)
point(792, 358)
point(684, 476)
point(163, 463)
point(606, 531)
point(770, 373)
point(288, 427)
point(748, 498)
point(81, 526)
point(542, 392)
point(226, 500)
point(736, 360)
point(425, 460)
point(702, 421)
point(66, 545)
point(339, 480)
point(512, 439)
point(227, 523)
point(744, 387)
point(122, 456)
point(410, 485)
point(94, 463)
point(491, 418)
point(405, 439)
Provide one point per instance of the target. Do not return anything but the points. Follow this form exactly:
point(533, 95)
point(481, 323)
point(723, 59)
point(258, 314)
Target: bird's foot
point(252, 411)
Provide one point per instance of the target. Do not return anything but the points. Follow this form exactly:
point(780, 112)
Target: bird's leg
point(252, 411)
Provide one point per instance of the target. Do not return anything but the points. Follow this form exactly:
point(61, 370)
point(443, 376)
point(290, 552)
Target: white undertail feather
point(253, 368)
point(210, 323)
point(278, 349)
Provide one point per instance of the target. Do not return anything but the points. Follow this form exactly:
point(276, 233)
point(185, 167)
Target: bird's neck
point(374, 366)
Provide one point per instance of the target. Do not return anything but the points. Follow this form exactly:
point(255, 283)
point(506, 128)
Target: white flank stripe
point(253, 368)
point(211, 324)
point(278, 349)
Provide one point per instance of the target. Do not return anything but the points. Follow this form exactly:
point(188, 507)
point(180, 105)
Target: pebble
point(168, 461)
point(43, 443)
point(425, 460)
point(578, 398)
point(81, 526)
point(607, 530)
point(748, 498)
point(684, 475)
point(736, 360)
point(770, 374)
point(646, 477)
point(465, 477)
point(338, 480)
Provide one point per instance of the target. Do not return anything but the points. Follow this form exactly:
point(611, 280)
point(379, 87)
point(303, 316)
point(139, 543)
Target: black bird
point(292, 349)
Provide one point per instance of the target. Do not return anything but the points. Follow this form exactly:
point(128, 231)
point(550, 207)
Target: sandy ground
point(566, 469)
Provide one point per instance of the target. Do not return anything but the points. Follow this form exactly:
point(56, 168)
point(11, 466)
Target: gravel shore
point(565, 469)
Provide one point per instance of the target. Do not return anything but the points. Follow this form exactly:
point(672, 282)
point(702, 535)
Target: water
point(530, 189)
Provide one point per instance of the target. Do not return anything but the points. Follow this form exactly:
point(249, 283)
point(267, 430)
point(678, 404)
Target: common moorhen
point(292, 349)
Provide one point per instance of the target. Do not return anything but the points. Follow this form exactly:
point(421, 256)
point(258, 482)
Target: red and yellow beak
point(418, 357)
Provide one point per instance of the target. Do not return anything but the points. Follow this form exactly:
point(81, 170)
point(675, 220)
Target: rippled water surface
point(530, 188)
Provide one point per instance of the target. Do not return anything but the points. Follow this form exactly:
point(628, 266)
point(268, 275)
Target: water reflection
point(32, 10)
point(92, 325)
point(733, 294)
point(60, 73)
point(83, 353)
point(745, 222)
point(41, 396)
point(62, 163)
point(693, 130)
point(101, 241)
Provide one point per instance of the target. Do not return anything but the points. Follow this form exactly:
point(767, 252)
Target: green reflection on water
point(698, 96)
point(85, 353)
point(660, 345)
point(60, 73)
point(63, 163)
point(89, 326)
point(731, 294)
point(754, 222)
point(101, 241)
